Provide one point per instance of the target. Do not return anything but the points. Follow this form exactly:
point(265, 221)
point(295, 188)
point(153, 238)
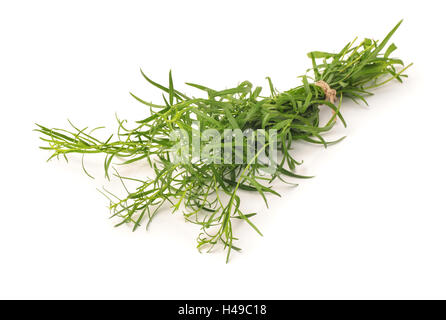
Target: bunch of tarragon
point(207, 190)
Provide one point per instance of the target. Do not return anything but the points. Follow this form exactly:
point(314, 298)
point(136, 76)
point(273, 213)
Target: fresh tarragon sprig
point(209, 192)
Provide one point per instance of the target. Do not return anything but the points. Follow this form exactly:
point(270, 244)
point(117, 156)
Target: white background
point(370, 225)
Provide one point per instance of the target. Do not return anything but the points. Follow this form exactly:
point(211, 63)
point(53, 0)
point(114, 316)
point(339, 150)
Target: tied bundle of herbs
point(206, 185)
